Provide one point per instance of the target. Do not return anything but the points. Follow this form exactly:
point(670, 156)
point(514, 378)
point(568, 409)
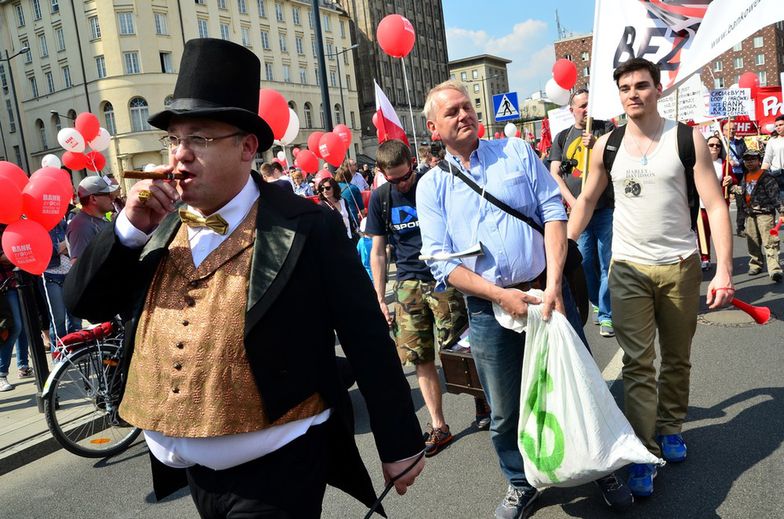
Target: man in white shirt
point(774, 155)
point(356, 177)
point(236, 398)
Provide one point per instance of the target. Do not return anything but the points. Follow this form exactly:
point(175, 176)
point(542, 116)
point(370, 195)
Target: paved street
point(735, 432)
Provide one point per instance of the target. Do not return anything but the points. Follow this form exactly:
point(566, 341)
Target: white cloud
point(527, 46)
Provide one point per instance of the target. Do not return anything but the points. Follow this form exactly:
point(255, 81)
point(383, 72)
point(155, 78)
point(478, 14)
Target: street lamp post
point(336, 55)
point(8, 59)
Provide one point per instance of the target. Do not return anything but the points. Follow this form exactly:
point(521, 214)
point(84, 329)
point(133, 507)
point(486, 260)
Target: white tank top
point(651, 223)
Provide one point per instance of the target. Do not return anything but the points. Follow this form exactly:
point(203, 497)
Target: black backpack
point(685, 152)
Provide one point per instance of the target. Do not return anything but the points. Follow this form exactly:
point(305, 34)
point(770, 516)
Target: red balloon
point(396, 35)
point(44, 201)
point(294, 152)
point(74, 161)
point(28, 245)
point(95, 161)
point(274, 109)
point(374, 119)
point(59, 175)
point(313, 143)
point(10, 201)
point(13, 173)
point(87, 124)
point(332, 148)
point(518, 133)
point(344, 132)
point(749, 80)
point(307, 161)
point(565, 73)
point(481, 131)
point(497, 135)
point(321, 175)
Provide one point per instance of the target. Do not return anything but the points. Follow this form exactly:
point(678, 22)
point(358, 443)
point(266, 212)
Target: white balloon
point(150, 167)
point(770, 127)
point(101, 141)
point(281, 156)
point(71, 140)
point(555, 93)
point(292, 130)
point(510, 130)
point(51, 161)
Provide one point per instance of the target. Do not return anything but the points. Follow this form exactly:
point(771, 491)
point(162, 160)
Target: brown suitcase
point(460, 372)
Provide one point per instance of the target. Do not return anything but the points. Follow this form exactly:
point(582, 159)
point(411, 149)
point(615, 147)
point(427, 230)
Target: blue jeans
point(16, 335)
point(61, 320)
point(498, 353)
point(595, 245)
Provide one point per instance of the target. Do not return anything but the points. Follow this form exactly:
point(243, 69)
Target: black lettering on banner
point(625, 46)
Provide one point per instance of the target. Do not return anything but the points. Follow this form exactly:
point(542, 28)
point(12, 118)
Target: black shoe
point(616, 494)
point(517, 504)
point(776, 277)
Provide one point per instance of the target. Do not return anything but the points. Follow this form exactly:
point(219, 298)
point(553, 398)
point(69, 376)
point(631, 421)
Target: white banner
point(691, 97)
point(681, 36)
point(731, 102)
point(560, 119)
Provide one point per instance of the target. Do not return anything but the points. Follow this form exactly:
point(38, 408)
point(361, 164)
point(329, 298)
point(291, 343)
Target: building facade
point(483, 76)
point(118, 59)
point(425, 66)
point(577, 48)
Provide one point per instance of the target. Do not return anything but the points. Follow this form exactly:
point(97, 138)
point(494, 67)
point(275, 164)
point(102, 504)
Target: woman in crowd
point(351, 195)
point(329, 195)
point(718, 156)
point(301, 187)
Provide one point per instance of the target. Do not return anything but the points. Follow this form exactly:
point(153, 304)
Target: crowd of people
point(254, 416)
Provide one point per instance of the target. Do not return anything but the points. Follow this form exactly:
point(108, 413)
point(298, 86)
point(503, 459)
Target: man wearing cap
point(759, 194)
point(223, 379)
point(95, 197)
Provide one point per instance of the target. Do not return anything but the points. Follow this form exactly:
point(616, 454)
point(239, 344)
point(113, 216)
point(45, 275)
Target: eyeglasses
point(193, 142)
point(325, 188)
point(398, 180)
point(717, 145)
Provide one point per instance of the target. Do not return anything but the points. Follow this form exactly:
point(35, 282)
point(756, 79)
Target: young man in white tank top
point(655, 276)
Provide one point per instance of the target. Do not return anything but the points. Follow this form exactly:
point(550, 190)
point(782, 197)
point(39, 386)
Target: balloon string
point(58, 344)
point(410, 110)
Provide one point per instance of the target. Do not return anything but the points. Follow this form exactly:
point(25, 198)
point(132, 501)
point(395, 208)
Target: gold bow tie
point(214, 221)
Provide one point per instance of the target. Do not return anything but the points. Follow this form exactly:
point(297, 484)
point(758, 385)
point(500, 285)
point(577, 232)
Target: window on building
point(108, 117)
point(463, 76)
point(58, 124)
point(308, 115)
point(763, 78)
point(49, 81)
point(584, 56)
point(295, 15)
point(303, 75)
point(279, 12)
point(200, 2)
point(36, 4)
point(286, 74)
point(95, 28)
point(33, 86)
point(345, 58)
point(760, 59)
point(353, 119)
point(203, 32)
point(3, 79)
point(330, 50)
point(55, 6)
point(224, 31)
point(17, 154)
point(586, 71)
point(338, 114)
point(59, 35)
point(242, 7)
point(262, 8)
point(759, 41)
point(318, 75)
point(125, 21)
point(221, 4)
point(321, 116)
point(28, 56)
point(568, 56)
point(313, 44)
point(738, 62)
point(265, 40)
point(479, 115)
point(39, 125)
point(342, 28)
point(474, 74)
point(282, 42)
point(348, 82)
point(298, 45)
point(717, 66)
point(245, 34)
point(42, 45)
point(476, 88)
point(333, 78)
point(11, 120)
point(139, 114)
point(738, 47)
point(166, 63)
point(718, 82)
point(325, 23)
point(310, 18)
point(20, 19)
point(131, 60)
point(161, 24)
point(477, 101)
point(268, 72)
point(100, 66)
point(67, 76)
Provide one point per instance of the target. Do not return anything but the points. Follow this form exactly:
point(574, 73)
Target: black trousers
point(286, 484)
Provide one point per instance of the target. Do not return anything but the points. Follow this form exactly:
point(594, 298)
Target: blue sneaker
point(672, 446)
point(641, 479)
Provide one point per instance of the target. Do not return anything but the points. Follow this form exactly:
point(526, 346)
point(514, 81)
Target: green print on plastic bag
point(536, 403)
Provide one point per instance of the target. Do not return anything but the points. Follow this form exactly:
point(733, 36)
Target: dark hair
point(638, 64)
point(342, 174)
point(779, 118)
point(333, 183)
point(578, 92)
point(276, 165)
point(721, 142)
point(391, 154)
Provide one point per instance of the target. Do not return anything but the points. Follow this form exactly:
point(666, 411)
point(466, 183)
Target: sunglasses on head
point(400, 179)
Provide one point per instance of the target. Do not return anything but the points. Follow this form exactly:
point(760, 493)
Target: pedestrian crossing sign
point(505, 106)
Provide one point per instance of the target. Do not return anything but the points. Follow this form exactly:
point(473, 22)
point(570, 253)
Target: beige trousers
point(760, 242)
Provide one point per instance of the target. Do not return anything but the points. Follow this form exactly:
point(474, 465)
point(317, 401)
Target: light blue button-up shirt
point(453, 217)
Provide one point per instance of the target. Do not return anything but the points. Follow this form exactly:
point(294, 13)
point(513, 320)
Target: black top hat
point(218, 80)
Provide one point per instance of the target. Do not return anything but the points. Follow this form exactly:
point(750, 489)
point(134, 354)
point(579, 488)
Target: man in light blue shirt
point(454, 218)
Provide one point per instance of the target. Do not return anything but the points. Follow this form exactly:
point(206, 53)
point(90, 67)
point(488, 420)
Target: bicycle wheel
point(81, 407)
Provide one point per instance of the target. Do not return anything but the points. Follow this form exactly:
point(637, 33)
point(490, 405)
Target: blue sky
point(523, 31)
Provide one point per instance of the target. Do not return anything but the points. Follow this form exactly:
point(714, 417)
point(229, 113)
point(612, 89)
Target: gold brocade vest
point(189, 375)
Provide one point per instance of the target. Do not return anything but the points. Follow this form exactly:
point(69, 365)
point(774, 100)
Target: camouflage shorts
point(425, 317)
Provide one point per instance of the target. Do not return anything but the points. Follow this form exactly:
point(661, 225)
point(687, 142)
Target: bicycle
point(82, 394)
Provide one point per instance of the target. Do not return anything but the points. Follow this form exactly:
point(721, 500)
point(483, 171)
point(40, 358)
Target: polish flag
point(386, 120)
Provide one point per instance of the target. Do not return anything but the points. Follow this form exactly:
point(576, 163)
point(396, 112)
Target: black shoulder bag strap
point(611, 149)
point(385, 193)
point(689, 159)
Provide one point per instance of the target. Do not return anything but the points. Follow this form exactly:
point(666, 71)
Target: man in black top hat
point(237, 399)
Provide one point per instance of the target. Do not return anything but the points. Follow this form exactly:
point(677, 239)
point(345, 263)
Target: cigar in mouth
point(152, 175)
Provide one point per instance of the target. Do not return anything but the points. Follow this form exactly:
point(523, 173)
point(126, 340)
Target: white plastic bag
point(571, 431)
